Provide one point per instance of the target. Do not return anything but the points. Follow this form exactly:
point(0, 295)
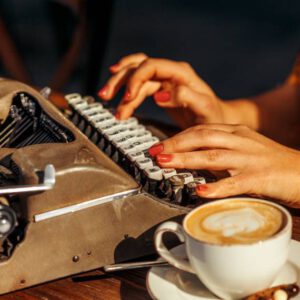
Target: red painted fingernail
point(202, 187)
point(114, 68)
point(103, 92)
point(162, 96)
point(164, 158)
point(156, 149)
point(117, 115)
point(126, 96)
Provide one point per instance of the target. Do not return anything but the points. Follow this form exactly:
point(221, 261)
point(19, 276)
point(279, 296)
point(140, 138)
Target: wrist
point(286, 177)
point(241, 111)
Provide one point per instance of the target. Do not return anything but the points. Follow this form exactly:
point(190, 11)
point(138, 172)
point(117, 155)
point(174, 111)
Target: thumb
point(230, 186)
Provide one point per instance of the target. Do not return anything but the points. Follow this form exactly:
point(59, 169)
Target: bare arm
point(275, 113)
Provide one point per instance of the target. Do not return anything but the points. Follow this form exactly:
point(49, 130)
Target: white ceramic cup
point(231, 271)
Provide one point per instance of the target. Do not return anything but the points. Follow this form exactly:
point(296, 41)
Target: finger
point(230, 186)
point(203, 138)
point(170, 96)
point(219, 127)
point(202, 105)
point(157, 69)
point(115, 82)
point(135, 58)
point(212, 126)
point(126, 109)
point(165, 96)
point(217, 159)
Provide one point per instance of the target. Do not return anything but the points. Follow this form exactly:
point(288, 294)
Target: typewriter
point(78, 192)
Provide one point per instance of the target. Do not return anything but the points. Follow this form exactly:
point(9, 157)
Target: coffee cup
point(235, 246)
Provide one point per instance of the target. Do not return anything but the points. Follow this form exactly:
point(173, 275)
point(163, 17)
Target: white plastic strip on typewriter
point(83, 205)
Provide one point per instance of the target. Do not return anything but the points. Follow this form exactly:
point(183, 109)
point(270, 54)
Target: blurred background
point(240, 48)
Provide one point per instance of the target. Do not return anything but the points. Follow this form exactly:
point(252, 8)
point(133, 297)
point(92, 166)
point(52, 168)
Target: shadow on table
point(133, 283)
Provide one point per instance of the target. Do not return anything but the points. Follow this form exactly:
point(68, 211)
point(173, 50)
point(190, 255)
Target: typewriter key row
point(127, 143)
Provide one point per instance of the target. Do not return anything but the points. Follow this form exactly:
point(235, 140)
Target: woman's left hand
point(257, 165)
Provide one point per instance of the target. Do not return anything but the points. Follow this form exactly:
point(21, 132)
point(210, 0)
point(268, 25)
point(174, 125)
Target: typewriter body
point(107, 198)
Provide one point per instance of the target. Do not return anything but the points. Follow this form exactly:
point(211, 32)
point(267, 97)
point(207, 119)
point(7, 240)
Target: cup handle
point(177, 262)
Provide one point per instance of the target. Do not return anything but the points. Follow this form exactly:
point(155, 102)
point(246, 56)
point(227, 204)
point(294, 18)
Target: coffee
point(235, 222)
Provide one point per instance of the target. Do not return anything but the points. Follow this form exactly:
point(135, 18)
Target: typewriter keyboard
point(127, 143)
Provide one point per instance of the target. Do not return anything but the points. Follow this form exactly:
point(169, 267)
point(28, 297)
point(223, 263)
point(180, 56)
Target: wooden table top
point(127, 285)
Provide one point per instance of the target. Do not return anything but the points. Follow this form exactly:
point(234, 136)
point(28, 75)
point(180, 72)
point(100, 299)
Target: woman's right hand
point(174, 86)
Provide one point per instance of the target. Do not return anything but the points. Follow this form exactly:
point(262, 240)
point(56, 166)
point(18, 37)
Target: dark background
point(240, 48)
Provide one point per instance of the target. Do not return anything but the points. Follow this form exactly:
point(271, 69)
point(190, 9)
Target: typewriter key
point(133, 156)
point(123, 142)
point(138, 129)
point(130, 122)
point(133, 130)
point(109, 129)
point(165, 188)
point(187, 177)
point(73, 98)
point(90, 110)
point(168, 173)
point(116, 135)
point(79, 106)
point(124, 160)
point(145, 145)
point(144, 136)
point(103, 122)
point(177, 185)
point(126, 150)
point(154, 176)
point(142, 163)
point(75, 101)
point(190, 194)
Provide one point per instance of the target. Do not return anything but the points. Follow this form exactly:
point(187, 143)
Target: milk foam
point(235, 222)
point(230, 223)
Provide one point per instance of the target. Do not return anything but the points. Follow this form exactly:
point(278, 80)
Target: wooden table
point(129, 285)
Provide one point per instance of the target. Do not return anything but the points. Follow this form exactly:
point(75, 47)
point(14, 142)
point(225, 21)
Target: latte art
point(239, 222)
point(234, 222)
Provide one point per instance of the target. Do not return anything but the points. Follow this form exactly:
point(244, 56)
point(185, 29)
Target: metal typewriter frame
point(93, 216)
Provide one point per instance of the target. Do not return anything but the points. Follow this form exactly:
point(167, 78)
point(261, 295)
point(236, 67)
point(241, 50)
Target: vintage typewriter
point(80, 193)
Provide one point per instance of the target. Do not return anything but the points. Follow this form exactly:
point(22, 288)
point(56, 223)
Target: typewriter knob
point(8, 220)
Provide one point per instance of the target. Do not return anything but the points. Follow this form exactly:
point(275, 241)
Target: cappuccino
point(235, 222)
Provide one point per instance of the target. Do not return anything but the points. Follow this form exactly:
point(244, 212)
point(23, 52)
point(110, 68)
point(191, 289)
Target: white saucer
point(164, 283)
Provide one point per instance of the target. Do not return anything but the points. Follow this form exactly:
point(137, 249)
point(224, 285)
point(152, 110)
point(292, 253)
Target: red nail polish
point(117, 115)
point(156, 149)
point(162, 96)
point(114, 68)
point(202, 187)
point(126, 96)
point(164, 158)
point(103, 92)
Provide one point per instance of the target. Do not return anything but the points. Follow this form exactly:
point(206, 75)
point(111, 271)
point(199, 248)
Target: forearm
point(275, 113)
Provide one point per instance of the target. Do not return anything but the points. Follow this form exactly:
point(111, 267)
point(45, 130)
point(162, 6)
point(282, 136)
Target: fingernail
point(162, 96)
point(164, 158)
point(114, 68)
point(103, 92)
point(202, 187)
point(126, 96)
point(117, 115)
point(156, 149)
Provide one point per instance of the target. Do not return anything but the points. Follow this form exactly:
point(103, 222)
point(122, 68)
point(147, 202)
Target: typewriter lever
point(48, 183)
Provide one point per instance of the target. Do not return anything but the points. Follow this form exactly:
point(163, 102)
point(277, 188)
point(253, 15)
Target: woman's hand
point(174, 85)
point(256, 164)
